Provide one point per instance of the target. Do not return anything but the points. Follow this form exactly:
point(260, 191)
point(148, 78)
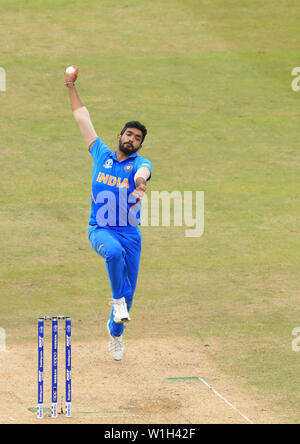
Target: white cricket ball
point(70, 70)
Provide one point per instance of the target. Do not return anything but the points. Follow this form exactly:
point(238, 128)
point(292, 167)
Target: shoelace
point(116, 302)
point(117, 343)
point(118, 305)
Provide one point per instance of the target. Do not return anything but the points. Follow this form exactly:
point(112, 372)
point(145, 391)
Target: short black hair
point(137, 125)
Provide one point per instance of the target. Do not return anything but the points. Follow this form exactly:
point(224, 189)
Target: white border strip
point(225, 400)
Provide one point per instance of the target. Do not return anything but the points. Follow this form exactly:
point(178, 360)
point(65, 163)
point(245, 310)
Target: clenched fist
point(140, 191)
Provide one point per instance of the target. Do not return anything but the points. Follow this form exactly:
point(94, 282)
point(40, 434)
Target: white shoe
point(121, 314)
point(116, 346)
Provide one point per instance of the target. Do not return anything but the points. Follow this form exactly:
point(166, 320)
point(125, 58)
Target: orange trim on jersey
point(135, 204)
point(100, 247)
point(93, 197)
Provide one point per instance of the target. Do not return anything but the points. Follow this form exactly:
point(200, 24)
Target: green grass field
point(212, 82)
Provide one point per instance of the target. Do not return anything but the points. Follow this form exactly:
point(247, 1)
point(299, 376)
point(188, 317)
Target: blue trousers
point(121, 249)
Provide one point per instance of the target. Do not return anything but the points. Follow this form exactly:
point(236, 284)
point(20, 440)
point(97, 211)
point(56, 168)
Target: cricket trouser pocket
point(121, 250)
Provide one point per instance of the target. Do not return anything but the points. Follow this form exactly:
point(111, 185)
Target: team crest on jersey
point(128, 168)
point(108, 163)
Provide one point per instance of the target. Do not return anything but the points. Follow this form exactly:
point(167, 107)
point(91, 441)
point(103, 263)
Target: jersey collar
point(114, 156)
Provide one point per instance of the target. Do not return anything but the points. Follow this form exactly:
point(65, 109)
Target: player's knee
point(115, 253)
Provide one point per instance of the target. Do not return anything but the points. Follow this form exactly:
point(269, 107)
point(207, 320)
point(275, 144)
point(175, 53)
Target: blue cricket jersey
point(112, 202)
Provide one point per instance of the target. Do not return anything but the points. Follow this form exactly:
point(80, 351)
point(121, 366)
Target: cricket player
point(119, 181)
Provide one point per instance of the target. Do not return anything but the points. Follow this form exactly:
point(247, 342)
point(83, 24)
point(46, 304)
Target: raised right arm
point(80, 112)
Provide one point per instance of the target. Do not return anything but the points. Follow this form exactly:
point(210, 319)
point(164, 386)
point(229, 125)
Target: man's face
point(130, 141)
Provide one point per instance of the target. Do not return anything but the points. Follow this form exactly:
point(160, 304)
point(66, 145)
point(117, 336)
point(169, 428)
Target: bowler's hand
point(73, 76)
point(140, 191)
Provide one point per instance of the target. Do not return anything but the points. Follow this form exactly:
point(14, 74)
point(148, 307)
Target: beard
point(127, 148)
